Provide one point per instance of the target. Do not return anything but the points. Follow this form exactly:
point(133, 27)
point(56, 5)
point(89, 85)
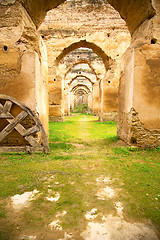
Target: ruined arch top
point(85, 44)
point(80, 91)
point(80, 86)
point(81, 62)
point(80, 76)
point(134, 12)
point(37, 9)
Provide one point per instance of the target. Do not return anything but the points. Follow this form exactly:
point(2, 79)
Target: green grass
point(81, 150)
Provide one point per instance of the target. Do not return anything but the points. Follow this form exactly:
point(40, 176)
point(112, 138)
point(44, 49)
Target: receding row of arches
point(23, 64)
point(88, 71)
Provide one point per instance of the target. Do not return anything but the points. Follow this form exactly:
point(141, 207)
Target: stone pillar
point(69, 102)
point(90, 101)
point(72, 100)
point(100, 106)
point(109, 101)
point(55, 98)
point(66, 101)
point(96, 98)
point(23, 61)
point(139, 93)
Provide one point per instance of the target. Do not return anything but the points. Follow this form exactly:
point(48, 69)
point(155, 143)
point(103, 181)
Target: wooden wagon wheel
point(14, 123)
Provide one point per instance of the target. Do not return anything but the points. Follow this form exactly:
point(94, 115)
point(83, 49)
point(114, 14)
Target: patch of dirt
point(103, 179)
point(23, 200)
point(77, 145)
point(25, 237)
point(105, 193)
point(55, 198)
point(92, 214)
point(55, 225)
point(115, 228)
point(107, 228)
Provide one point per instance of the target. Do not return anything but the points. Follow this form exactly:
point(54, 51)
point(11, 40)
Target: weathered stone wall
point(139, 109)
point(109, 96)
point(23, 60)
point(108, 110)
point(96, 99)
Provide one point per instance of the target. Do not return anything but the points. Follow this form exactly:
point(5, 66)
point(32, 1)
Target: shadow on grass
point(105, 141)
point(61, 157)
point(112, 139)
point(65, 146)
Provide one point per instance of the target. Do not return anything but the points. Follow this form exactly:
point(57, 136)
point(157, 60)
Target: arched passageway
point(80, 82)
point(23, 62)
point(81, 96)
point(81, 77)
point(113, 49)
point(67, 183)
point(134, 12)
point(81, 86)
point(84, 44)
point(82, 71)
point(99, 73)
point(83, 61)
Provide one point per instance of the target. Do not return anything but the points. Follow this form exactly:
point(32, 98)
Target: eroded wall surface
point(139, 109)
point(23, 60)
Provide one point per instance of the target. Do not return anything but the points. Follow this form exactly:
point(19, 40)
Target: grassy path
point(87, 179)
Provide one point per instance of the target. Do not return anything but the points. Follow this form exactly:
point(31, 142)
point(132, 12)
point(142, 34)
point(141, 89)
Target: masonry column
point(139, 108)
point(90, 100)
point(95, 98)
point(23, 61)
point(56, 92)
point(109, 101)
point(66, 101)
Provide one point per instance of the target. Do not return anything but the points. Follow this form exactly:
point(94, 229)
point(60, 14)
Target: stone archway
point(69, 97)
point(81, 96)
point(139, 86)
point(134, 12)
point(67, 35)
point(83, 43)
point(81, 86)
point(81, 76)
point(107, 63)
point(80, 62)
